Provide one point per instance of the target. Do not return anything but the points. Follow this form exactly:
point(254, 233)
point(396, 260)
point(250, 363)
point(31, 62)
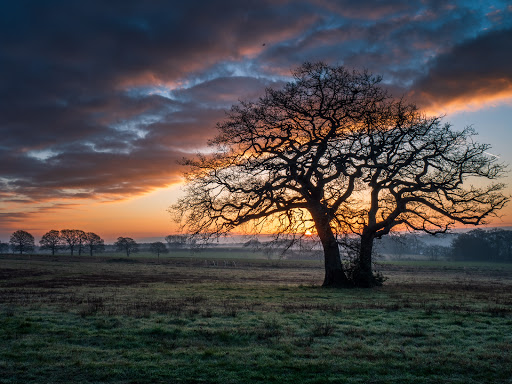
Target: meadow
point(214, 318)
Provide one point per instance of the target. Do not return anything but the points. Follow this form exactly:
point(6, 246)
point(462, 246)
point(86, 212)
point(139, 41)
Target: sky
point(99, 100)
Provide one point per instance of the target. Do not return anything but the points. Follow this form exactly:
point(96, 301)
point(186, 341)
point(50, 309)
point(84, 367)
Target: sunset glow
point(92, 133)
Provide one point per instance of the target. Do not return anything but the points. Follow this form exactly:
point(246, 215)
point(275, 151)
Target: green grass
point(179, 320)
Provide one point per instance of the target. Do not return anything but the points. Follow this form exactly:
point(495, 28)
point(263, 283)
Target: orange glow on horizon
point(473, 104)
point(145, 215)
point(138, 217)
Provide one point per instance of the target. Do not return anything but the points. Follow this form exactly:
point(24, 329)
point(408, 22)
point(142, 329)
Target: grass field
point(203, 320)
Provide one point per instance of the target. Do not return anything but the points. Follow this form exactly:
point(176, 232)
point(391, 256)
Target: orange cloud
point(481, 98)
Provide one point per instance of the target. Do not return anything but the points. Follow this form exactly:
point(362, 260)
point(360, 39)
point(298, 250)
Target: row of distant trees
point(476, 245)
point(494, 245)
point(129, 246)
point(78, 241)
point(403, 245)
point(74, 240)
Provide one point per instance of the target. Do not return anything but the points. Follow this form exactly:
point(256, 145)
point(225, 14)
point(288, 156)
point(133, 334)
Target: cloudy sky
point(99, 99)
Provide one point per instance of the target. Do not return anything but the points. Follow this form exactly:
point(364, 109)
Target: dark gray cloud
point(477, 69)
point(397, 44)
point(99, 99)
point(73, 76)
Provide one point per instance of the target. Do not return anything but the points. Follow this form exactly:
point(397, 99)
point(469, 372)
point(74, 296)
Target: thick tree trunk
point(334, 274)
point(364, 276)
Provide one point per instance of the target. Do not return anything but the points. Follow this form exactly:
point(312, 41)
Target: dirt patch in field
point(99, 280)
point(11, 273)
point(65, 271)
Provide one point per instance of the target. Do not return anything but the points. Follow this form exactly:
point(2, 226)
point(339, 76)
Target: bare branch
point(333, 149)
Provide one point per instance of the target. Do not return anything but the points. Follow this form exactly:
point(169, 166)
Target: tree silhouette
point(74, 238)
point(82, 240)
point(176, 241)
point(51, 240)
point(333, 153)
point(158, 247)
point(93, 242)
point(22, 241)
point(126, 244)
point(481, 245)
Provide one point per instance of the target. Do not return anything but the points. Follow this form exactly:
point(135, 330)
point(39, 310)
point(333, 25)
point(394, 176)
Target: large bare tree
point(333, 153)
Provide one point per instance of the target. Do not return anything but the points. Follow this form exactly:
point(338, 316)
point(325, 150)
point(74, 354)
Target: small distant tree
point(254, 244)
point(74, 238)
point(176, 241)
point(21, 241)
point(93, 243)
point(126, 244)
point(158, 247)
point(51, 240)
point(4, 247)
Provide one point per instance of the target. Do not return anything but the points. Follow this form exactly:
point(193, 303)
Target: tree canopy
point(22, 241)
point(51, 240)
point(126, 244)
point(158, 247)
point(93, 242)
point(479, 245)
point(333, 153)
point(74, 238)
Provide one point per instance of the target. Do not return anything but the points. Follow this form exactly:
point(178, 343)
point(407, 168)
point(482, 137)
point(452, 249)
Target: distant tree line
point(78, 242)
point(476, 245)
point(74, 240)
point(481, 245)
point(179, 241)
point(403, 245)
point(128, 245)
